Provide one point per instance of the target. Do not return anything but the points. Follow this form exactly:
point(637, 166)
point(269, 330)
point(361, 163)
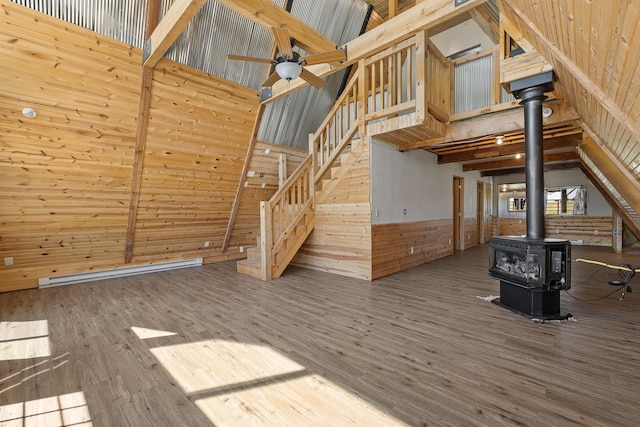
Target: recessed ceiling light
point(546, 112)
point(499, 139)
point(518, 156)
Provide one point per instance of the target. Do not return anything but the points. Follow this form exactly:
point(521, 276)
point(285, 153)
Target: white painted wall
point(596, 204)
point(461, 37)
point(414, 181)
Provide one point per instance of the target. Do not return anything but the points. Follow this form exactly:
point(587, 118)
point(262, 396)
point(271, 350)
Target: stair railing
point(281, 214)
point(337, 130)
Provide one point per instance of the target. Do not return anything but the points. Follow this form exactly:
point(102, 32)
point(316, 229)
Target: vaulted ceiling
point(593, 48)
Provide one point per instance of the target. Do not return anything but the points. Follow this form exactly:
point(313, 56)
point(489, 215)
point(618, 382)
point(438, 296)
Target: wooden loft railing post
point(422, 82)
point(362, 98)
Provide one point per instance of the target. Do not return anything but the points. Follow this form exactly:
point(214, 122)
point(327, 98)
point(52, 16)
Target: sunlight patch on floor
point(210, 365)
point(24, 340)
point(307, 401)
point(145, 333)
point(246, 384)
point(64, 410)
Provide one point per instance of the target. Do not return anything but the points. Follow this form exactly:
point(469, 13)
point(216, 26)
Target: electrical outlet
point(449, 241)
point(206, 244)
point(377, 212)
point(8, 260)
point(404, 211)
point(241, 249)
point(411, 250)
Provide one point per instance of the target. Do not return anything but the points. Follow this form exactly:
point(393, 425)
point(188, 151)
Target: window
point(517, 204)
point(566, 201)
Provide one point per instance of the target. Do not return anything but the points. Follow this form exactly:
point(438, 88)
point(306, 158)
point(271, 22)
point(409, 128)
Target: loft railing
point(390, 81)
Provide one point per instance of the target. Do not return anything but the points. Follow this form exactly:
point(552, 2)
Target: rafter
point(521, 170)
point(628, 187)
point(268, 14)
point(506, 149)
point(423, 16)
point(168, 30)
point(613, 202)
point(511, 162)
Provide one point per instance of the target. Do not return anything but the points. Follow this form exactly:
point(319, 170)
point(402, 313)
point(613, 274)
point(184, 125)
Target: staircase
point(381, 90)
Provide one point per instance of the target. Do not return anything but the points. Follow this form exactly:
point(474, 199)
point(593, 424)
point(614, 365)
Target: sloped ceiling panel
point(595, 50)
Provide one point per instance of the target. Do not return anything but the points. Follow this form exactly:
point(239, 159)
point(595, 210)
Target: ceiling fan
point(289, 64)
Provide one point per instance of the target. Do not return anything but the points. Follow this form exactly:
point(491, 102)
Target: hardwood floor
point(210, 346)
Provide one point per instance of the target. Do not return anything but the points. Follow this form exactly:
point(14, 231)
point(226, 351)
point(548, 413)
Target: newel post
point(266, 238)
point(422, 50)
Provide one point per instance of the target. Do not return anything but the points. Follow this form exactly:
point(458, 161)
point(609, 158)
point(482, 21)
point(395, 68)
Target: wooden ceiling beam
point(521, 171)
point(613, 202)
point(627, 186)
point(483, 22)
point(511, 162)
point(169, 29)
point(268, 14)
point(495, 124)
point(506, 149)
point(422, 16)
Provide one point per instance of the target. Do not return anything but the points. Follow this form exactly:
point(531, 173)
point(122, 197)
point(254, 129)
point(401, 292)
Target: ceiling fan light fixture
point(288, 70)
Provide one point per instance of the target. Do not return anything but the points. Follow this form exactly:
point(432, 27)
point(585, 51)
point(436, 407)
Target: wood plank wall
point(470, 238)
point(341, 240)
point(265, 171)
point(392, 243)
point(66, 175)
point(592, 230)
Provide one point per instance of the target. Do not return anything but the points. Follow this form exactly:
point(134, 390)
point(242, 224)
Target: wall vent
point(47, 282)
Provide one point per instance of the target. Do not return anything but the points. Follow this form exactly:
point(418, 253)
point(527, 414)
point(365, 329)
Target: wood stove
point(532, 269)
point(532, 272)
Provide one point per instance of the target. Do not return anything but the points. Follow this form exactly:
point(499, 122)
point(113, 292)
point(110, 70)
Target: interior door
point(458, 213)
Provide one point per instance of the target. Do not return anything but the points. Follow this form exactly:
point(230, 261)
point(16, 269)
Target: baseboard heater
point(47, 282)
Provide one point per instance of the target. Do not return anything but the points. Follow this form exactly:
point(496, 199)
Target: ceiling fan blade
point(250, 58)
point(273, 77)
point(282, 41)
point(312, 79)
point(319, 58)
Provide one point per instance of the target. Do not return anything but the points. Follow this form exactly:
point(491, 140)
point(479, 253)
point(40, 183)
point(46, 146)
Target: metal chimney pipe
point(532, 99)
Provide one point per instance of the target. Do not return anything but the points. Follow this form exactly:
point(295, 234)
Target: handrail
point(280, 214)
point(338, 124)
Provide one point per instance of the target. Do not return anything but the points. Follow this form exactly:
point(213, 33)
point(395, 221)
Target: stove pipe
point(532, 99)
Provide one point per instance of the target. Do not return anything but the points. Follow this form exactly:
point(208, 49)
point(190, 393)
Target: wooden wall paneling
point(391, 245)
point(247, 224)
point(199, 129)
point(512, 227)
point(67, 172)
point(341, 240)
point(470, 232)
point(591, 230)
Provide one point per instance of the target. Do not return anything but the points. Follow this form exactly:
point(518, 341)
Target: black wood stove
point(532, 269)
